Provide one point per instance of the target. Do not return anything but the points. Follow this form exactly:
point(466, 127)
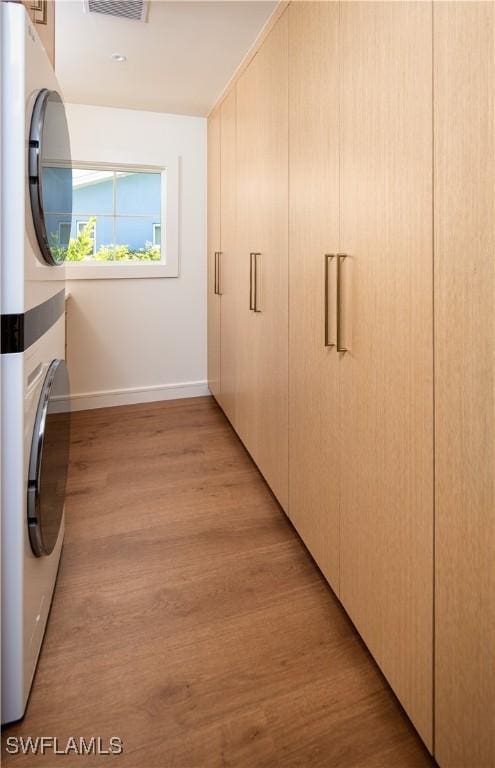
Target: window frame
point(169, 266)
point(157, 225)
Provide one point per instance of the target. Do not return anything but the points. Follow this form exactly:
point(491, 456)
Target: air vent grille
point(135, 10)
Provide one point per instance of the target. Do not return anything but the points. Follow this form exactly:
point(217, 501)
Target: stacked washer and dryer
point(36, 214)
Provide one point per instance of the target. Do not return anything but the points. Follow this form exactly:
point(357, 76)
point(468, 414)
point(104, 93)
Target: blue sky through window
point(121, 211)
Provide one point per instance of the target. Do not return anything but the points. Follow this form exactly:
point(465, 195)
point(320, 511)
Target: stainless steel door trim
point(57, 256)
point(43, 533)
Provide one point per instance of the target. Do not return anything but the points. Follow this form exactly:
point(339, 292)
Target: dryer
point(35, 453)
point(36, 180)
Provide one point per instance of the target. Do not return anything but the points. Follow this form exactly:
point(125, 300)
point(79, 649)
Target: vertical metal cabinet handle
point(219, 273)
point(340, 347)
point(328, 259)
point(251, 302)
point(256, 307)
point(215, 274)
point(253, 281)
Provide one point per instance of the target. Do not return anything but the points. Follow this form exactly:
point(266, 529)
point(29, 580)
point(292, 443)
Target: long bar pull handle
point(340, 345)
point(251, 301)
point(219, 273)
point(256, 282)
point(328, 260)
point(215, 274)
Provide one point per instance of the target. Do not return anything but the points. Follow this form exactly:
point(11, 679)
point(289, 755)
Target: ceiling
point(179, 61)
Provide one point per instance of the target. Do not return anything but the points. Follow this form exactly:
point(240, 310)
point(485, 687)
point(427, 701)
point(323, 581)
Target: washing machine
point(36, 213)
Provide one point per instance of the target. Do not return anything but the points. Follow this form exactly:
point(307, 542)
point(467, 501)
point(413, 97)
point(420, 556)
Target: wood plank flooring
point(190, 620)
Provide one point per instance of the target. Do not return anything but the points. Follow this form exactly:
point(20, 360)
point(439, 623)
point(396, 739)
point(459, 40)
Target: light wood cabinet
point(42, 14)
point(248, 151)
point(314, 416)
point(359, 349)
point(386, 438)
point(465, 384)
point(213, 249)
point(227, 258)
point(361, 421)
point(262, 359)
point(222, 255)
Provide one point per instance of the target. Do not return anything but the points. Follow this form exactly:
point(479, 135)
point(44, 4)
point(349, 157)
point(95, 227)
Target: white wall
point(133, 340)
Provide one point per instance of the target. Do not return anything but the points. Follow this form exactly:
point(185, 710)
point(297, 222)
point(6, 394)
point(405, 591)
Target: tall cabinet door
point(314, 420)
point(263, 208)
point(213, 247)
point(248, 227)
point(464, 46)
point(227, 261)
point(386, 323)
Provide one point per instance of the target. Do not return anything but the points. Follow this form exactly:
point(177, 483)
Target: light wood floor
point(190, 620)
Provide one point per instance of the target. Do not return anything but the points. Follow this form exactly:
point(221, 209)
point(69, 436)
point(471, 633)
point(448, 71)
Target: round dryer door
point(50, 177)
point(49, 460)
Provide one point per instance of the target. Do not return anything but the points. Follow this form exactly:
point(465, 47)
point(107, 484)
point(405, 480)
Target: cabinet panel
point(214, 126)
point(42, 13)
point(248, 214)
point(387, 325)
point(46, 28)
point(464, 53)
point(314, 434)
point(228, 258)
point(262, 418)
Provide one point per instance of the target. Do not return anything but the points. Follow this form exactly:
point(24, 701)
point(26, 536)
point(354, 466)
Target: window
point(115, 216)
point(125, 221)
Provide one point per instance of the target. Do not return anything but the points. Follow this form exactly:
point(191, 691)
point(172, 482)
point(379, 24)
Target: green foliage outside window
point(81, 248)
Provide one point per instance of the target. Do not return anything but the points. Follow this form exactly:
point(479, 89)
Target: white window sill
point(74, 271)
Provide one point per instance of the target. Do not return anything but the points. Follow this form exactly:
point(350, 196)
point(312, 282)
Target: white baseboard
point(83, 401)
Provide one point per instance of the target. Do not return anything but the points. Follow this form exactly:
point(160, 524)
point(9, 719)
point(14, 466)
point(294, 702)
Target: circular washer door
point(49, 460)
point(50, 176)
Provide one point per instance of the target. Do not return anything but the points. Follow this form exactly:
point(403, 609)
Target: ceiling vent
point(135, 10)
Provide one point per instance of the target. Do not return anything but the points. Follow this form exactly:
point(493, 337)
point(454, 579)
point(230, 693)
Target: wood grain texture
point(262, 135)
point(46, 31)
point(464, 54)
point(387, 376)
point(251, 53)
point(228, 258)
point(314, 370)
point(248, 150)
point(213, 245)
point(189, 619)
